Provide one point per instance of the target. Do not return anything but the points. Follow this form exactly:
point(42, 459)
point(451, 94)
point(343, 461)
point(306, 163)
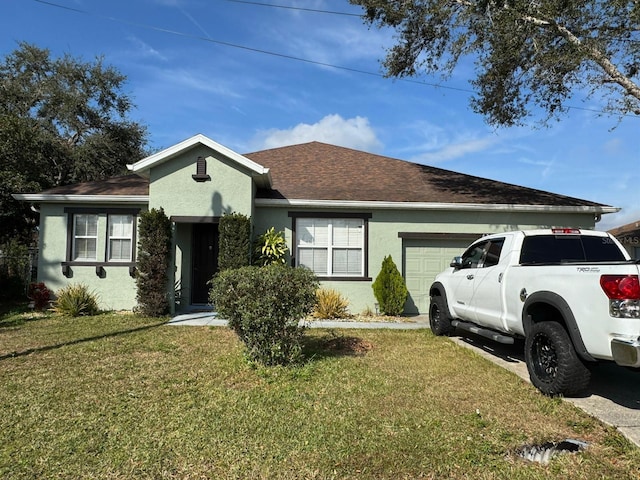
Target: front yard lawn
point(119, 396)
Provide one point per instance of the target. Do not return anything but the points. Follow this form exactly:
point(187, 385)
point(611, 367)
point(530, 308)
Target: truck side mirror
point(456, 262)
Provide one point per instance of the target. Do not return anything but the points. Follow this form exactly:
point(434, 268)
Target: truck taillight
point(624, 295)
point(621, 287)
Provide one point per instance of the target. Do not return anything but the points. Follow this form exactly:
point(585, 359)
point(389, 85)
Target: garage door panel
point(423, 260)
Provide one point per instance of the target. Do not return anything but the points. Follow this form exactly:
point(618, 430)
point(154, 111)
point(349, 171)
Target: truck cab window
point(493, 252)
point(473, 256)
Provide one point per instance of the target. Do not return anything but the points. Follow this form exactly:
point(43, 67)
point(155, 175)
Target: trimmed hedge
point(152, 266)
point(234, 241)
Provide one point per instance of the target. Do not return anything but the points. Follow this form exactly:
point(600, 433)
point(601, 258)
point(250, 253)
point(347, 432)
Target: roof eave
point(49, 198)
point(596, 209)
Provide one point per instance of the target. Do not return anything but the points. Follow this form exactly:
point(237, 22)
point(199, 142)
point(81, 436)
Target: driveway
point(614, 392)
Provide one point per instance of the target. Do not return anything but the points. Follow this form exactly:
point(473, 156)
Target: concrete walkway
point(211, 319)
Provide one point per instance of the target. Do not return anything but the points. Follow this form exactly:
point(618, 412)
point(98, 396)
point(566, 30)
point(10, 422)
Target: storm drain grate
point(545, 452)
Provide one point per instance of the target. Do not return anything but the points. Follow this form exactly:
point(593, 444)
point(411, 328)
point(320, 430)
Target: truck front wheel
point(439, 320)
point(553, 364)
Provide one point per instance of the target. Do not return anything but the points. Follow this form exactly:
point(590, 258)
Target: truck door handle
point(470, 277)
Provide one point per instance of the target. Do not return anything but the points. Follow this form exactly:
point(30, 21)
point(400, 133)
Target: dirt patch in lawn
point(347, 345)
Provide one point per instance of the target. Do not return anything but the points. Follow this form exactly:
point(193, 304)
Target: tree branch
point(595, 54)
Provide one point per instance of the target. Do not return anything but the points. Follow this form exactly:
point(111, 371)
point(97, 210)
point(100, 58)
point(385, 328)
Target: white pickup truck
point(572, 295)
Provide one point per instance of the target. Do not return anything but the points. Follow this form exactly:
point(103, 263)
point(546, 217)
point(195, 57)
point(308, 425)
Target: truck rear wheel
point(439, 320)
point(553, 364)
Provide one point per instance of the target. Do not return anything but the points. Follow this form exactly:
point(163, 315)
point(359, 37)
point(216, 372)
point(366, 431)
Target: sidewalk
point(210, 319)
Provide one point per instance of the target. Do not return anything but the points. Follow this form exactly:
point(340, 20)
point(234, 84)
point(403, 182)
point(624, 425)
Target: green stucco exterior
point(229, 189)
point(386, 224)
point(172, 187)
point(232, 188)
point(116, 288)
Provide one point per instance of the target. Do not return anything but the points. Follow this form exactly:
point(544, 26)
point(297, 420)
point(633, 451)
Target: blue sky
point(253, 77)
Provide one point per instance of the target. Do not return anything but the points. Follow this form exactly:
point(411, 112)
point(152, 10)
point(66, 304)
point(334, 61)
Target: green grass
point(118, 396)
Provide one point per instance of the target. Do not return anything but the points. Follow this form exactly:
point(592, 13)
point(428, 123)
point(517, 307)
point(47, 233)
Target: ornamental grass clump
point(264, 306)
point(330, 304)
point(76, 300)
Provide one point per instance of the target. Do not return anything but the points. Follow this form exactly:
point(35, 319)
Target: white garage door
point(423, 260)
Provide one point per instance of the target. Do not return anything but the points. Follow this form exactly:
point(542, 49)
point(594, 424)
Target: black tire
point(553, 364)
point(439, 319)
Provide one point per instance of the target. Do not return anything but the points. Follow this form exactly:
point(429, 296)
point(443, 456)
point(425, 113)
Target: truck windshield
point(569, 248)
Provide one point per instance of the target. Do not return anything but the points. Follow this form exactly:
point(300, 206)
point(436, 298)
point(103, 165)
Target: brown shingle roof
point(318, 171)
point(122, 185)
point(630, 229)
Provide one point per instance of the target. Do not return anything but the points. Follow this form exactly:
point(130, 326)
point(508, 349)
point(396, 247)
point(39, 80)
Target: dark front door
point(204, 260)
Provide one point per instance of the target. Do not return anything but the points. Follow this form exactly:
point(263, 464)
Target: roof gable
point(142, 167)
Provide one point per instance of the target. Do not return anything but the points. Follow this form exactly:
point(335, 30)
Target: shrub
point(14, 270)
point(264, 306)
point(40, 295)
point(390, 289)
point(76, 300)
point(330, 304)
point(234, 241)
point(152, 266)
point(271, 247)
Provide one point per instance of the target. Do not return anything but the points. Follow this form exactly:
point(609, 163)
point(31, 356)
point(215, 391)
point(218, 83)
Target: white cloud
point(614, 220)
point(194, 83)
point(457, 149)
point(354, 133)
point(145, 50)
point(546, 165)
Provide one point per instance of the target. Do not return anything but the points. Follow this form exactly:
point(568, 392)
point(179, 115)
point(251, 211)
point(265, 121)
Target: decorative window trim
point(99, 264)
point(365, 217)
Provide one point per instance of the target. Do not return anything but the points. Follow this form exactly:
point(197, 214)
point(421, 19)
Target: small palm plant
point(271, 247)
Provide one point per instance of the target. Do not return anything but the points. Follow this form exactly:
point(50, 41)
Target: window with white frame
point(120, 238)
point(85, 237)
point(332, 247)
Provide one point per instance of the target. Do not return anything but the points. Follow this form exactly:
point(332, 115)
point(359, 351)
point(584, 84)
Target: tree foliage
point(152, 265)
point(62, 121)
point(527, 53)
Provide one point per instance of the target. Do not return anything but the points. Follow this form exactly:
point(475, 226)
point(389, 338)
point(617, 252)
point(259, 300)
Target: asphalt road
point(613, 395)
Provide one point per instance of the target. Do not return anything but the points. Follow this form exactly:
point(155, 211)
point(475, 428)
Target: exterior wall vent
point(201, 171)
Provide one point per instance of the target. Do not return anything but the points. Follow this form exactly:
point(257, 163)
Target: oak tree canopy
point(62, 121)
point(527, 53)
